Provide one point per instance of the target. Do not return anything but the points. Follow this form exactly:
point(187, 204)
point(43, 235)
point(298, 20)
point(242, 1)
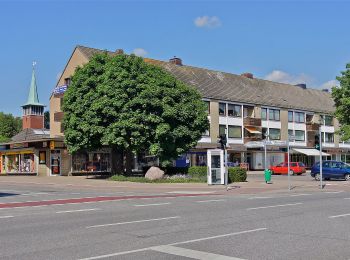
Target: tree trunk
point(117, 161)
point(129, 156)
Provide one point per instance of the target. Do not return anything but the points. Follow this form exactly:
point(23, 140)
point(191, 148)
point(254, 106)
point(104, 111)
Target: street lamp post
point(320, 141)
point(290, 138)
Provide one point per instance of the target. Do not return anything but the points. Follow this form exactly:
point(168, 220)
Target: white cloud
point(139, 52)
point(330, 84)
point(207, 21)
point(284, 77)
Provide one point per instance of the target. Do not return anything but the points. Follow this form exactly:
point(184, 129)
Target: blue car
point(331, 170)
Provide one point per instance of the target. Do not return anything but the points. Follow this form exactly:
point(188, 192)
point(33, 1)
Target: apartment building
point(249, 109)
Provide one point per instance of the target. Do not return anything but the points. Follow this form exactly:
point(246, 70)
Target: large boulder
point(154, 173)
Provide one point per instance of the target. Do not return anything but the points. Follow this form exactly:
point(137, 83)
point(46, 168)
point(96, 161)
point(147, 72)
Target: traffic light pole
point(288, 162)
point(225, 159)
point(321, 170)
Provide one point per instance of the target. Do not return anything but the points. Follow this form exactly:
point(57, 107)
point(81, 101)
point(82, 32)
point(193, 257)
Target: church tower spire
point(33, 111)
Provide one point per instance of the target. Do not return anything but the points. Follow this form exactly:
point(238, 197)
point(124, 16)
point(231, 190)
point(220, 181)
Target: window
point(290, 133)
point(67, 81)
point(207, 103)
point(206, 133)
point(299, 135)
point(299, 117)
point(222, 129)
point(329, 137)
point(222, 109)
point(234, 131)
point(264, 113)
point(264, 132)
point(275, 134)
point(328, 120)
point(274, 114)
point(290, 116)
point(234, 110)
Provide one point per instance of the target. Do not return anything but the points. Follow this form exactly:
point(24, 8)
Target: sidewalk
point(255, 184)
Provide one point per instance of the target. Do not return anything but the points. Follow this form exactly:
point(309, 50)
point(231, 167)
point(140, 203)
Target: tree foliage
point(9, 126)
point(123, 102)
point(341, 96)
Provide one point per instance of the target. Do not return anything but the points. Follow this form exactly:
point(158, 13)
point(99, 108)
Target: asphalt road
point(131, 225)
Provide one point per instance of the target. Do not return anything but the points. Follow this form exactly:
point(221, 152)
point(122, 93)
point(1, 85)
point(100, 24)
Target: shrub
point(198, 172)
point(236, 174)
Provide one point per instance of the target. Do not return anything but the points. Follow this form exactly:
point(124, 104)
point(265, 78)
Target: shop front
point(19, 162)
point(90, 162)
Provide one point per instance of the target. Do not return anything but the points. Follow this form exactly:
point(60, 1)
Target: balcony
point(58, 116)
point(312, 126)
point(250, 121)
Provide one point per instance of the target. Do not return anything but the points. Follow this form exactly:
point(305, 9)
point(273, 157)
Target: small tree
point(122, 102)
point(341, 96)
point(9, 126)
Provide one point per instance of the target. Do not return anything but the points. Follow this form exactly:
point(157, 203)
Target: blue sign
point(60, 89)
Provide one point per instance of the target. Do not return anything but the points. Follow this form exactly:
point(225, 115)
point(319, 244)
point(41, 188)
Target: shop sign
point(19, 145)
point(52, 145)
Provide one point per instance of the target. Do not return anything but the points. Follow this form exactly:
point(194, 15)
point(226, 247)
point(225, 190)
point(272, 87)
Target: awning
point(309, 152)
point(252, 130)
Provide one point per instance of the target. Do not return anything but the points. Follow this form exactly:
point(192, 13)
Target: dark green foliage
point(341, 96)
point(236, 174)
point(175, 170)
point(198, 172)
point(9, 126)
point(123, 102)
point(47, 120)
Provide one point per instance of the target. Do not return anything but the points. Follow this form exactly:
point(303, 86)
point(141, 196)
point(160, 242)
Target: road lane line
point(275, 206)
point(154, 204)
point(339, 216)
point(205, 201)
point(76, 210)
point(193, 254)
point(131, 222)
point(257, 198)
point(301, 194)
point(6, 216)
point(334, 192)
point(174, 244)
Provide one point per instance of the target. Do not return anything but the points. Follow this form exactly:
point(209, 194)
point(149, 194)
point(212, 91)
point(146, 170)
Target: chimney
point(325, 90)
point(119, 51)
point(301, 85)
point(248, 75)
point(176, 61)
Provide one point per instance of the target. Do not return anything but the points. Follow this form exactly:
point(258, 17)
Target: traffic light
point(222, 141)
point(317, 142)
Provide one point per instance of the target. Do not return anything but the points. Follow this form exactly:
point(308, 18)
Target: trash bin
point(267, 174)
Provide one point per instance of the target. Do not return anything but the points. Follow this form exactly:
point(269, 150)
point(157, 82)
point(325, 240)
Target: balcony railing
point(250, 121)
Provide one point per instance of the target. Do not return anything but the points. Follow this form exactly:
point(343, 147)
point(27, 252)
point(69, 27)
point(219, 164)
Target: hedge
point(198, 172)
point(236, 174)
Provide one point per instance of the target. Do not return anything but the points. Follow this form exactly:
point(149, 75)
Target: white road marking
point(275, 206)
point(172, 250)
point(174, 244)
point(6, 216)
point(155, 204)
point(131, 222)
point(301, 194)
point(191, 192)
point(339, 216)
point(77, 210)
point(257, 198)
point(346, 198)
point(334, 192)
point(205, 201)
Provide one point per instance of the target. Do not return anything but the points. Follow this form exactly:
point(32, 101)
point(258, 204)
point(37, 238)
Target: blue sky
point(286, 41)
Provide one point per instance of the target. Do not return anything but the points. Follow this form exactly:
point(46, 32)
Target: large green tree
point(9, 126)
point(341, 96)
point(122, 102)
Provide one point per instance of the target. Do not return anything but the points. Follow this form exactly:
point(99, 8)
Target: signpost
point(290, 138)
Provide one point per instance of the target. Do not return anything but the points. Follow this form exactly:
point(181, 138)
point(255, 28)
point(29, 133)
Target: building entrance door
point(55, 162)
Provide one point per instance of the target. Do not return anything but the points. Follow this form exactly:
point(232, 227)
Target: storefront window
point(91, 162)
point(27, 163)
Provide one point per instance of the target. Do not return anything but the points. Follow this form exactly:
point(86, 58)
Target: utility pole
point(320, 140)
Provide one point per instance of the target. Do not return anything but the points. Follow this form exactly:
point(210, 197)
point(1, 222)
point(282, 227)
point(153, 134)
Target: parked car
point(294, 167)
point(331, 170)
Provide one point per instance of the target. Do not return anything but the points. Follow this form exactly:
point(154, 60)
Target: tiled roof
point(236, 88)
point(30, 134)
